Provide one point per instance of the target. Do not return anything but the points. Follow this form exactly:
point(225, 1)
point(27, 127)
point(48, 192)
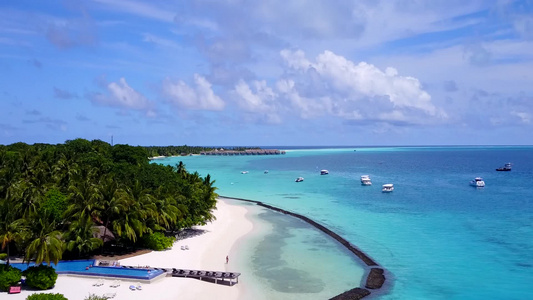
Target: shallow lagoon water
point(439, 237)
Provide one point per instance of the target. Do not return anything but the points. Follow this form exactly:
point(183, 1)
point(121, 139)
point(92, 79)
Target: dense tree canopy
point(54, 198)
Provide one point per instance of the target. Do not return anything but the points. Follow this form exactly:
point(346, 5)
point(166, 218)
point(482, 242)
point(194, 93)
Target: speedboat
point(507, 167)
point(324, 172)
point(365, 180)
point(477, 182)
point(266, 171)
point(387, 188)
point(244, 172)
point(299, 179)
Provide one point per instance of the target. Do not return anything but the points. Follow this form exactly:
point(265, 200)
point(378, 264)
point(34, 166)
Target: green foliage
point(3, 256)
point(158, 241)
point(129, 154)
point(8, 276)
point(46, 296)
point(41, 277)
point(95, 297)
point(80, 236)
point(52, 197)
point(54, 205)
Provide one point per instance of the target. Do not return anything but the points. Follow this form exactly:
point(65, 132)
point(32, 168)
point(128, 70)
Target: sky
point(267, 73)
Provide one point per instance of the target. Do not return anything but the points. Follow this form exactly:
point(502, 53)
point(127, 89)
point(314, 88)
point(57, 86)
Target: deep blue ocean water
point(437, 236)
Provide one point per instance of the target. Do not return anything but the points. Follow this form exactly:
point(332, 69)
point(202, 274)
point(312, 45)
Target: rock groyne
point(375, 277)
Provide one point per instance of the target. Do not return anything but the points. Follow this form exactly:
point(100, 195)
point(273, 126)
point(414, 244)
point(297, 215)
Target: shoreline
point(208, 248)
point(207, 251)
point(375, 276)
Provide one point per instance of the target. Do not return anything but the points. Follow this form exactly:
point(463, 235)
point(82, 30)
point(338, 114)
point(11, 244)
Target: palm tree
point(46, 245)
point(10, 230)
point(112, 202)
point(80, 236)
point(84, 198)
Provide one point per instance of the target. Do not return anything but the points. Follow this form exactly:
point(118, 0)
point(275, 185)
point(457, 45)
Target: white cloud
point(199, 97)
point(523, 116)
point(355, 91)
point(258, 99)
point(332, 85)
point(123, 96)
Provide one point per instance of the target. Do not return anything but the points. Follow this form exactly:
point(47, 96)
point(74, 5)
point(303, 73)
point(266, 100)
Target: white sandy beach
point(207, 251)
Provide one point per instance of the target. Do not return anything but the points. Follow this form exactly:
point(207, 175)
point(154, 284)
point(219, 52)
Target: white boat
point(299, 179)
point(477, 182)
point(365, 180)
point(244, 172)
point(324, 172)
point(387, 188)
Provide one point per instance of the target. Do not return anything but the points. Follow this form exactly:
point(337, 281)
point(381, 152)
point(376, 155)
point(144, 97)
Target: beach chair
point(139, 286)
point(109, 295)
point(115, 283)
point(132, 287)
point(99, 282)
point(14, 289)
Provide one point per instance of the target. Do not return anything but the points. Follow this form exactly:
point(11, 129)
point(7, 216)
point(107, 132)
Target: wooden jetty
point(217, 277)
point(213, 276)
point(223, 152)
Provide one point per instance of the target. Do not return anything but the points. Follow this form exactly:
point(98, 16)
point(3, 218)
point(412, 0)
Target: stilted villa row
point(243, 152)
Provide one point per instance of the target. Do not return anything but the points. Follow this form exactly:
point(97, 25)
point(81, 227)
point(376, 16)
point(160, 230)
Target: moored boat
point(299, 179)
point(478, 182)
point(507, 167)
point(324, 172)
point(387, 188)
point(365, 180)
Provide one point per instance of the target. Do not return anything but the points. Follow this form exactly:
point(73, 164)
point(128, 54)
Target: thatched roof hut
point(99, 233)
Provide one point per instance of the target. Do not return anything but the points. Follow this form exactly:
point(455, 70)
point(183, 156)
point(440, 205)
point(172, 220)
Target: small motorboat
point(507, 167)
point(387, 188)
point(299, 179)
point(365, 180)
point(324, 172)
point(266, 171)
point(244, 172)
point(477, 182)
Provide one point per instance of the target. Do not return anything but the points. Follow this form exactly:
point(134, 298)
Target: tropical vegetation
point(46, 296)
point(40, 277)
point(9, 276)
point(81, 197)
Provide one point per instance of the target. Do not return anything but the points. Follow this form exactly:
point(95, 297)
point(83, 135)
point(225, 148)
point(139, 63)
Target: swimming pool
point(82, 267)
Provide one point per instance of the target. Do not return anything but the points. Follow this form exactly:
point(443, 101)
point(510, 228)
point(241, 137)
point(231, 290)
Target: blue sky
point(235, 72)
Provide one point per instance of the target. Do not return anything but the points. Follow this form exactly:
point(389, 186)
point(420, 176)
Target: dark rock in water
point(375, 279)
point(353, 294)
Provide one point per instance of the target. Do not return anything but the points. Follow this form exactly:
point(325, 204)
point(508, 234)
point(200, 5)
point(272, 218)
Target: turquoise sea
point(438, 237)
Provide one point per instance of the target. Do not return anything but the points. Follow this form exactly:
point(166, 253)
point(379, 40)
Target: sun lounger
point(99, 282)
point(109, 295)
point(132, 287)
point(115, 283)
point(139, 286)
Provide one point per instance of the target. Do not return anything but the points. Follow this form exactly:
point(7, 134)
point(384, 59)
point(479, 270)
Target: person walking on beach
point(227, 259)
